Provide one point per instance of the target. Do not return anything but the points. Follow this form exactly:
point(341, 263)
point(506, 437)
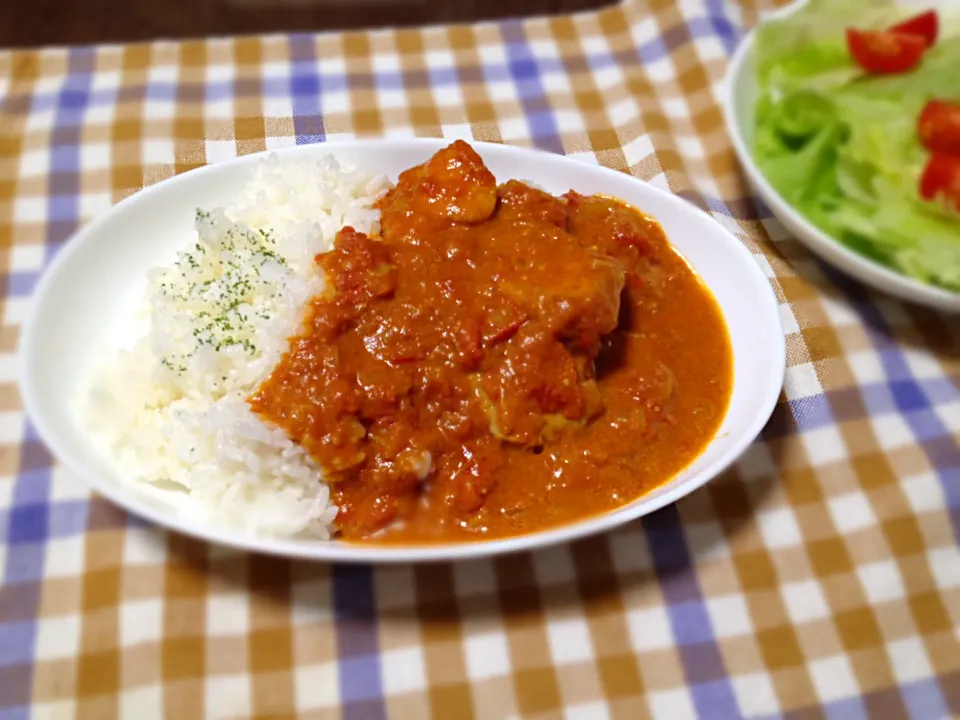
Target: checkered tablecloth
point(820, 577)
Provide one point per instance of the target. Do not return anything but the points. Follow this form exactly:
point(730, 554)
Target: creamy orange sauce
point(499, 360)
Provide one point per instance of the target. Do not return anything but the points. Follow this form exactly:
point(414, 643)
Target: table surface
point(819, 577)
point(80, 22)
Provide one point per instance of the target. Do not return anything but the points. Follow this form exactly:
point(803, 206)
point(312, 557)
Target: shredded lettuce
point(842, 146)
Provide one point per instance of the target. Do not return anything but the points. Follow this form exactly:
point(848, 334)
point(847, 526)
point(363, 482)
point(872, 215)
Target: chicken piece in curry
point(498, 360)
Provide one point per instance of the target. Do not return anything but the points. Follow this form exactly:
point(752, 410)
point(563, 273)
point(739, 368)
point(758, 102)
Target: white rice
point(172, 409)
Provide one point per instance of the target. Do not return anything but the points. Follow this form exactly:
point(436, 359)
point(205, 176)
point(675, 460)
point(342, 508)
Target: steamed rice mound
point(172, 408)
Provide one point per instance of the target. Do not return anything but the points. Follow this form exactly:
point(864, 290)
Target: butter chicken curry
point(499, 360)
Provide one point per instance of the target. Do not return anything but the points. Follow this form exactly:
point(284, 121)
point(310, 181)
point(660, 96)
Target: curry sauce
point(499, 360)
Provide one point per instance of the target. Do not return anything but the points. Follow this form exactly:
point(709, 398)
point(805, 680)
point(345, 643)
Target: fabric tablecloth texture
point(820, 577)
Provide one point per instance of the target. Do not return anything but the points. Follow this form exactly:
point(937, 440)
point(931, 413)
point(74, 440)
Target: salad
point(858, 126)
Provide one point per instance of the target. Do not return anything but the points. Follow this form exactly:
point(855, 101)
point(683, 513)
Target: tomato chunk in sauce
point(498, 360)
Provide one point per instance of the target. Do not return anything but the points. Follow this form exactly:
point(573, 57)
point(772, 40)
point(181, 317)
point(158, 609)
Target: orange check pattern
point(820, 577)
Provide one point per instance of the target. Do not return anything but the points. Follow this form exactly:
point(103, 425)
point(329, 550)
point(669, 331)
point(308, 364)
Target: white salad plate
point(85, 300)
point(739, 100)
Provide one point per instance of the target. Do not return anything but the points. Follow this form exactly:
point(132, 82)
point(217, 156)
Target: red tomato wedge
point(926, 25)
point(941, 178)
point(885, 53)
point(939, 126)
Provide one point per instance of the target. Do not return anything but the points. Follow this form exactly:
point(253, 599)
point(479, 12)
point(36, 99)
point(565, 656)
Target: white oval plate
point(740, 96)
point(84, 301)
